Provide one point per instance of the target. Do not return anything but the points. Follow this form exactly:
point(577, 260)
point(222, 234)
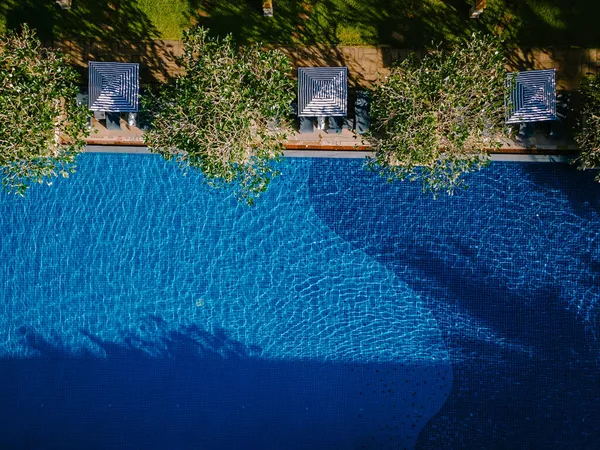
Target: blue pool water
point(142, 309)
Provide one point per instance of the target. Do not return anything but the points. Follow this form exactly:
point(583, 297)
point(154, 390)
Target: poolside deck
point(365, 65)
point(347, 141)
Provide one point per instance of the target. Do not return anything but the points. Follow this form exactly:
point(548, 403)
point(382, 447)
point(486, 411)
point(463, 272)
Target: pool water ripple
point(102, 253)
point(129, 255)
point(509, 268)
point(362, 311)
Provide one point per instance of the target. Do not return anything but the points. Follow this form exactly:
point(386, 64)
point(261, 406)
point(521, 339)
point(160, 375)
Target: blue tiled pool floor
point(510, 270)
point(142, 308)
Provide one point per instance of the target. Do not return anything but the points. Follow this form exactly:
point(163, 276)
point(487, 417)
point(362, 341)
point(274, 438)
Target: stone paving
point(571, 64)
point(348, 141)
point(365, 64)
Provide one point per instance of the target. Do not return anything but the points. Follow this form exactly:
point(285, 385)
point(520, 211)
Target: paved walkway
point(157, 59)
point(331, 154)
point(347, 141)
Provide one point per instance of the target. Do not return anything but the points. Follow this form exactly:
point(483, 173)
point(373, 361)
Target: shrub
point(587, 135)
point(436, 117)
point(227, 115)
point(41, 127)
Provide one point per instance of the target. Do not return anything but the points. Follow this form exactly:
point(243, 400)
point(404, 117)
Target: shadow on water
point(585, 202)
point(189, 389)
point(102, 30)
point(511, 398)
point(541, 392)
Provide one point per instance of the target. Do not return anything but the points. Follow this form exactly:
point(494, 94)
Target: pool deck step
point(347, 141)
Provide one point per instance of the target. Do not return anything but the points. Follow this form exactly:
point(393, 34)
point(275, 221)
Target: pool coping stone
point(539, 156)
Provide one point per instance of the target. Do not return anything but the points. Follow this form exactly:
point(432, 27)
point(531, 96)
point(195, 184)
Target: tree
point(436, 117)
point(42, 129)
point(587, 135)
point(227, 115)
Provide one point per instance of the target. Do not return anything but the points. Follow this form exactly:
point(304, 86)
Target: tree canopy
point(587, 134)
point(227, 115)
point(41, 127)
point(436, 117)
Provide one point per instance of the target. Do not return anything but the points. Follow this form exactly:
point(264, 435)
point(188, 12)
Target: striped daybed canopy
point(322, 91)
point(113, 86)
point(532, 96)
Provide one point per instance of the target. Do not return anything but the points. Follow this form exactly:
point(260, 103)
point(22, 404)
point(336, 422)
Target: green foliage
point(227, 115)
point(41, 127)
point(587, 135)
point(436, 117)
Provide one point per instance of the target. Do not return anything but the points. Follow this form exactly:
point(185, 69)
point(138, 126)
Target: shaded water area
point(510, 269)
point(141, 308)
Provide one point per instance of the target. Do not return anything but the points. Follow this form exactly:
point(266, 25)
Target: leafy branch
point(437, 117)
point(587, 135)
point(227, 115)
point(42, 129)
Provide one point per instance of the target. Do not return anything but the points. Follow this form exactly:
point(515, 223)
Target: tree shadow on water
point(580, 188)
point(526, 366)
point(188, 388)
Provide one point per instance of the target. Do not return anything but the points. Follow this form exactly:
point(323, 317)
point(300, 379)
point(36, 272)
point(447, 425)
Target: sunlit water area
point(143, 309)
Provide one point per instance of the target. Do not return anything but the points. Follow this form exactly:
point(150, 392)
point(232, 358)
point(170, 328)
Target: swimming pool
point(141, 307)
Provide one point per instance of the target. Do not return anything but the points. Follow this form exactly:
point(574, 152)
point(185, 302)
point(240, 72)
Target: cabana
point(532, 96)
point(322, 93)
point(113, 89)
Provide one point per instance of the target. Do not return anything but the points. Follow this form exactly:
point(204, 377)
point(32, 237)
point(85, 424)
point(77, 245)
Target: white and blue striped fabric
point(532, 96)
point(113, 86)
point(323, 91)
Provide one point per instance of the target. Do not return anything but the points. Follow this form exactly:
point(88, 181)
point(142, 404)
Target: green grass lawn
point(404, 23)
point(398, 23)
point(92, 19)
point(169, 17)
